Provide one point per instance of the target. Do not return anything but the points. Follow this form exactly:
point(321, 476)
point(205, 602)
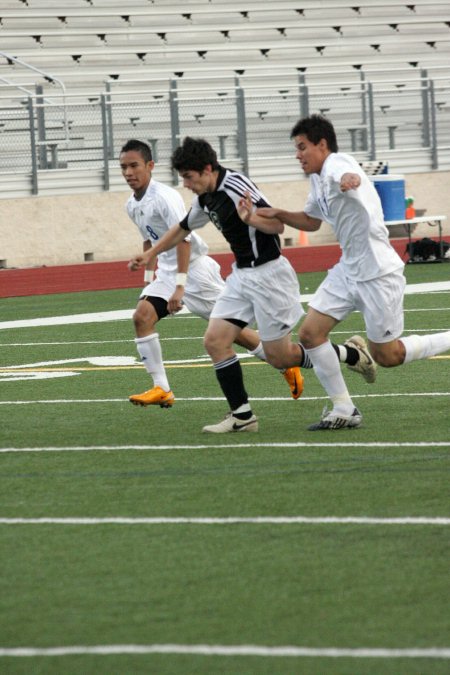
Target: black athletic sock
point(243, 415)
point(231, 381)
point(351, 357)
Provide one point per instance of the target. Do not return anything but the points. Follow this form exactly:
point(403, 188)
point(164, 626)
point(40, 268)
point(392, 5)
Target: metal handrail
point(48, 77)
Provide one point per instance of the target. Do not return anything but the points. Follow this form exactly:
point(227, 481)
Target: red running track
point(109, 275)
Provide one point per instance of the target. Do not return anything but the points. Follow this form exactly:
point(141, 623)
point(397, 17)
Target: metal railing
point(249, 126)
point(39, 89)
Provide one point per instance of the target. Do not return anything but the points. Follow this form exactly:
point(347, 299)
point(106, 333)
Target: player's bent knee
point(142, 321)
point(137, 319)
point(308, 339)
point(212, 343)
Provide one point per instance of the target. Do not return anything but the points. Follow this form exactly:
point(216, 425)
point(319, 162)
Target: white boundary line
point(200, 337)
point(234, 650)
point(222, 400)
point(223, 446)
point(258, 520)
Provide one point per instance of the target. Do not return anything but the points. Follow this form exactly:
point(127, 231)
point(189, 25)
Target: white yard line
point(126, 314)
point(220, 399)
point(234, 650)
point(231, 444)
point(200, 337)
point(96, 342)
point(93, 317)
point(231, 520)
point(432, 287)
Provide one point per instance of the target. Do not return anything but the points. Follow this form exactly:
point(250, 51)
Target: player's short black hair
point(134, 145)
point(316, 127)
point(194, 155)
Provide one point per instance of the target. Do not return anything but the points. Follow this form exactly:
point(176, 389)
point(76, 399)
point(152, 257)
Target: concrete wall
point(69, 229)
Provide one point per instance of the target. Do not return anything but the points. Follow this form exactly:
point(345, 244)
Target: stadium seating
point(102, 38)
point(84, 48)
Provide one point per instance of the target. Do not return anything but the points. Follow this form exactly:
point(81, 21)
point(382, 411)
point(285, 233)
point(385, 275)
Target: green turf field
point(128, 532)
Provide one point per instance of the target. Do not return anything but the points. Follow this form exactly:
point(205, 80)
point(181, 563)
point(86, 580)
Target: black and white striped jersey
point(251, 247)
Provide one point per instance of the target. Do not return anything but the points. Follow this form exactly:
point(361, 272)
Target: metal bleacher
point(101, 35)
point(104, 39)
point(135, 51)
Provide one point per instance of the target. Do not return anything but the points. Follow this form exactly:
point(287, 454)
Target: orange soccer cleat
point(294, 378)
point(155, 396)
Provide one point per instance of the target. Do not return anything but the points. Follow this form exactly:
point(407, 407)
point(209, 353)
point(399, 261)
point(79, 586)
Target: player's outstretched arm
point(172, 237)
point(297, 219)
point(250, 216)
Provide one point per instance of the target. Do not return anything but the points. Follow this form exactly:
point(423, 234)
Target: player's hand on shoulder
point(245, 207)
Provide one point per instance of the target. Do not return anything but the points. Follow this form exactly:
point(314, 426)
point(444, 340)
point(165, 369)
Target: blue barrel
point(391, 190)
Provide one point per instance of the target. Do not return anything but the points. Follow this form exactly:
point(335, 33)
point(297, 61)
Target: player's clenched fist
point(136, 262)
point(350, 181)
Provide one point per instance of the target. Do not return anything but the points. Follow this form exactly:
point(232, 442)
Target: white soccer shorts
point(268, 295)
point(203, 286)
point(379, 300)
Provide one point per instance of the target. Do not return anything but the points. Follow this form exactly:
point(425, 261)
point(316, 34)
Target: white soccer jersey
point(356, 217)
point(159, 209)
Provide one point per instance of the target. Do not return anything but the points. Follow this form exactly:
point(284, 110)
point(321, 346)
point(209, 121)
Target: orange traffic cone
point(410, 211)
point(303, 238)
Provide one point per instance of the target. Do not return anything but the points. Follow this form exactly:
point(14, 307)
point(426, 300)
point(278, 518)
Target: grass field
point(133, 543)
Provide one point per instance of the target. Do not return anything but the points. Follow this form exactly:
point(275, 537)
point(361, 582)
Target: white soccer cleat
point(333, 421)
point(232, 424)
point(365, 365)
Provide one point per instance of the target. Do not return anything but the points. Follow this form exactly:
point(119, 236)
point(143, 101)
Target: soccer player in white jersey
point(262, 286)
point(368, 277)
point(184, 275)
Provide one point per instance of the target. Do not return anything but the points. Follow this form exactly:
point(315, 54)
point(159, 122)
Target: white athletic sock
point(328, 371)
point(149, 349)
point(423, 346)
point(244, 408)
point(258, 352)
point(342, 349)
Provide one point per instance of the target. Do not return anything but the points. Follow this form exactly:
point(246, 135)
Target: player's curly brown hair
point(194, 155)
